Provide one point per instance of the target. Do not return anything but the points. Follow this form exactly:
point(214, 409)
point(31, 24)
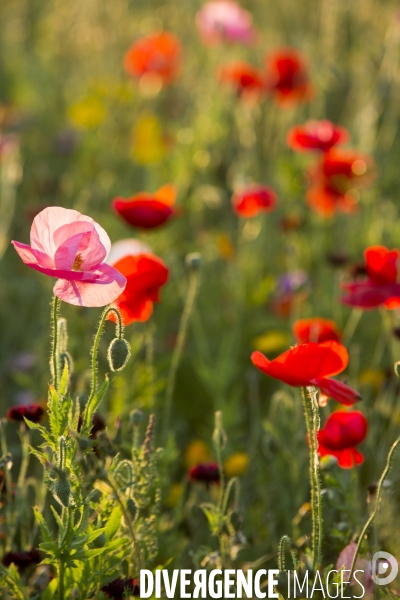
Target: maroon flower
point(32, 412)
point(205, 472)
point(22, 560)
point(115, 589)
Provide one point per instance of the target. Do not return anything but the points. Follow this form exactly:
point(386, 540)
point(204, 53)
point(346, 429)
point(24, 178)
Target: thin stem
point(61, 573)
point(149, 343)
point(96, 342)
point(54, 345)
point(375, 511)
point(180, 342)
point(317, 481)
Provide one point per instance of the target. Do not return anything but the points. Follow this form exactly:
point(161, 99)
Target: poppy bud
point(136, 416)
point(131, 506)
point(61, 490)
point(193, 261)
point(66, 359)
point(100, 541)
point(118, 354)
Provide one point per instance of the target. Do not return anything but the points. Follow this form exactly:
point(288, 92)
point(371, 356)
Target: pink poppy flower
point(71, 247)
point(225, 21)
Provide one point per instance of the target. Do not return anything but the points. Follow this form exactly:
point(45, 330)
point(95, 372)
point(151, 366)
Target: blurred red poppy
point(22, 560)
point(158, 53)
point(254, 199)
point(287, 77)
point(32, 412)
point(147, 210)
point(121, 588)
point(381, 287)
point(315, 329)
point(243, 77)
point(145, 274)
point(316, 135)
point(342, 432)
point(204, 472)
point(335, 179)
point(311, 364)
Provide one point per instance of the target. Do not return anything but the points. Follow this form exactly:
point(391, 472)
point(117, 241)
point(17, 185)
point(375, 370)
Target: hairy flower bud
point(193, 261)
point(118, 354)
point(61, 490)
point(136, 416)
point(131, 506)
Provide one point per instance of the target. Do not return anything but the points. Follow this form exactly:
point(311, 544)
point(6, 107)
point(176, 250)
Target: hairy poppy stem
point(312, 424)
point(180, 342)
point(55, 363)
point(96, 342)
point(377, 503)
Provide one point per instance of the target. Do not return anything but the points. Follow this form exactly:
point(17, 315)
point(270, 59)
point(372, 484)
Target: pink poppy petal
point(108, 287)
point(32, 257)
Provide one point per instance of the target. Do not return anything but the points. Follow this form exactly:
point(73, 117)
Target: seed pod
point(136, 416)
point(118, 354)
point(193, 261)
point(61, 490)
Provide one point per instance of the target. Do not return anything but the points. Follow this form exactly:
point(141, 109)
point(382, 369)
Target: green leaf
point(42, 524)
point(91, 407)
point(113, 523)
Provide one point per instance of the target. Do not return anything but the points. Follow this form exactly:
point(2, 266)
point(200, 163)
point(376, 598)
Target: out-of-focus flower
point(335, 181)
point(381, 287)
point(315, 329)
point(204, 473)
point(293, 281)
point(22, 560)
point(287, 77)
point(118, 588)
point(149, 145)
point(174, 495)
point(65, 142)
point(24, 362)
point(225, 21)
point(272, 341)
point(311, 365)
point(157, 53)
point(32, 412)
point(87, 113)
point(225, 246)
point(145, 275)
point(236, 465)
point(9, 145)
point(253, 200)
point(197, 452)
point(342, 432)
point(337, 259)
point(372, 377)
point(72, 247)
point(316, 135)
point(290, 292)
point(145, 210)
point(244, 78)
point(292, 222)
point(345, 560)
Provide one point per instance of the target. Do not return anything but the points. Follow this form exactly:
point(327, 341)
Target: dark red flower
point(253, 200)
point(22, 560)
point(315, 329)
point(243, 77)
point(32, 412)
point(335, 179)
point(381, 287)
point(316, 135)
point(342, 432)
point(145, 274)
point(311, 365)
point(147, 210)
point(287, 77)
point(117, 588)
point(204, 472)
point(158, 54)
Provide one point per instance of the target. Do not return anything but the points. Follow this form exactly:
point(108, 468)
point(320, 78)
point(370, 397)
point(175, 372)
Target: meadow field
point(199, 228)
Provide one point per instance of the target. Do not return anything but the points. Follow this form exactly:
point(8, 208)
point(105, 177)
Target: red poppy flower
point(316, 135)
point(253, 200)
point(287, 77)
point(205, 472)
point(157, 53)
point(119, 588)
point(22, 560)
point(342, 432)
point(147, 210)
point(381, 287)
point(335, 179)
point(145, 274)
point(315, 329)
point(311, 365)
point(243, 77)
point(32, 412)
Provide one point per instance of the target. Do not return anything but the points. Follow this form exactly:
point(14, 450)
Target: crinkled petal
point(107, 288)
point(367, 296)
point(33, 258)
point(337, 390)
point(80, 238)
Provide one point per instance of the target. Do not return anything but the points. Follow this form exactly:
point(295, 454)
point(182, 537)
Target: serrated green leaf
point(113, 524)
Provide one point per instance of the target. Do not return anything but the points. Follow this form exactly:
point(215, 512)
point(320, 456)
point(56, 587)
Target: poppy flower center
point(77, 263)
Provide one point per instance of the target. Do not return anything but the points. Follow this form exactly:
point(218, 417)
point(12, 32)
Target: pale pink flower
point(225, 21)
point(71, 247)
point(362, 564)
